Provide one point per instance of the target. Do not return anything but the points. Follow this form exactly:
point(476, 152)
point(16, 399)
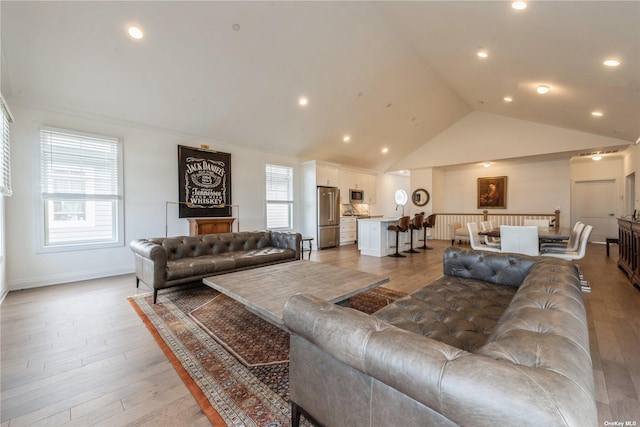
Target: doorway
point(597, 203)
point(630, 195)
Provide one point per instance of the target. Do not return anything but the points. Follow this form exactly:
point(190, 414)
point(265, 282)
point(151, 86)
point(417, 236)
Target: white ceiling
point(390, 74)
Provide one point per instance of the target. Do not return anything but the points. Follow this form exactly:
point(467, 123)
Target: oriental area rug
point(235, 364)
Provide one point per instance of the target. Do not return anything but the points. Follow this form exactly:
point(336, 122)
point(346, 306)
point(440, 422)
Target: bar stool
point(429, 223)
point(416, 224)
point(401, 227)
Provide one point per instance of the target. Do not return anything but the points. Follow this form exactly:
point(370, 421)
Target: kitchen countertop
point(380, 219)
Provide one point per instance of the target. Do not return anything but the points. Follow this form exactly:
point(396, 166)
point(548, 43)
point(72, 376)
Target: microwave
point(356, 196)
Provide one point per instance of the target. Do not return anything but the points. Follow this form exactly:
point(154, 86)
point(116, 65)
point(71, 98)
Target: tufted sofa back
point(213, 244)
point(496, 268)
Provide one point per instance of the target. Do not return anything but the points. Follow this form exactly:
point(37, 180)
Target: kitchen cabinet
point(348, 232)
point(326, 175)
point(352, 180)
point(373, 237)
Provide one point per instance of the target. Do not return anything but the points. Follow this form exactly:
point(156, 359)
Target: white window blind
point(5, 151)
point(279, 197)
point(81, 188)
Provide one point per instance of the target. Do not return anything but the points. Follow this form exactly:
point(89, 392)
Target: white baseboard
point(76, 276)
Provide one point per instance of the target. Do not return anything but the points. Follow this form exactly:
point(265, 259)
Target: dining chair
point(489, 241)
point(537, 222)
point(582, 249)
point(474, 239)
point(519, 240)
point(571, 245)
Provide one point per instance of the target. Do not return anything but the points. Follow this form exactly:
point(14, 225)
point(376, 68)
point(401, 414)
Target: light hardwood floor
point(77, 354)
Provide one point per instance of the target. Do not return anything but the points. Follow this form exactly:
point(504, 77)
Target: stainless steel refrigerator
point(328, 217)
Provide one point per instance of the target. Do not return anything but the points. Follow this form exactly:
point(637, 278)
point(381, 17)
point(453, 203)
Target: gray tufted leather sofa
point(499, 339)
point(171, 261)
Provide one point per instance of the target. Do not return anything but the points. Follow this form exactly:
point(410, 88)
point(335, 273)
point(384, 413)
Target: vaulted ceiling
point(388, 74)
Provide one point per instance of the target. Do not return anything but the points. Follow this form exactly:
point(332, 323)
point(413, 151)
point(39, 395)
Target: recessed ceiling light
point(346, 138)
point(482, 53)
point(519, 5)
point(487, 164)
point(135, 32)
point(611, 62)
point(597, 113)
point(385, 150)
point(303, 100)
point(542, 89)
point(597, 157)
point(508, 99)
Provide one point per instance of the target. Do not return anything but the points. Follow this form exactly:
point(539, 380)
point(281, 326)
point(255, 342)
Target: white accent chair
point(458, 232)
point(582, 250)
point(520, 240)
point(537, 222)
point(491, 242)
point(570, 246)
point(475, 239)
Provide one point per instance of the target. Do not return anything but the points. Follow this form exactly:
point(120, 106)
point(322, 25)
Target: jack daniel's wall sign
point(204, 182)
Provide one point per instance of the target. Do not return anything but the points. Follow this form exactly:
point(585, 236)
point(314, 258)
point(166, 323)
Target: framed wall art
point(492, 192)
point(204, 183)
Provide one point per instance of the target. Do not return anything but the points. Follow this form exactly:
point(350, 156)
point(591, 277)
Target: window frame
point(289, 203)
point(117, 200)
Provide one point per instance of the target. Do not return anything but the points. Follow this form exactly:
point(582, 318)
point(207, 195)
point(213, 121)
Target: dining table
point(544, 233)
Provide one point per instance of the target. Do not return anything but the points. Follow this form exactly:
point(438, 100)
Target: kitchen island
point(373, 237)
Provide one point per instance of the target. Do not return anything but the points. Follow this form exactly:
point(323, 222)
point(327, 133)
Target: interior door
point(596, 203)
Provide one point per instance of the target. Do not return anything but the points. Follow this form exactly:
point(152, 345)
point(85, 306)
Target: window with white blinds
point(5, 151)
point(81, 183)
point(279, 197)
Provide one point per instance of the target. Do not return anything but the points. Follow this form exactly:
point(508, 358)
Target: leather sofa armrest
point(287, 240)
point(150, 262)
point(150, 250)
point(466, 388)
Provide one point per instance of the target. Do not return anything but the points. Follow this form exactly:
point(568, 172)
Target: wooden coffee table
point(265, 290)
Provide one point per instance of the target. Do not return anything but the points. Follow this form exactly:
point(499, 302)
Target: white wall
point(532, 187)
point(386, 186)
point(150, 179)
point(481, 136)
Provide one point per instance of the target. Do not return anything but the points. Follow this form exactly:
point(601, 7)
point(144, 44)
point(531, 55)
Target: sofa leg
point(137, 282)
point(295, 415)
point(297, 411)
point(155, 295)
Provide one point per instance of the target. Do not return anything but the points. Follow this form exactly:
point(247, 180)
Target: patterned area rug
point(234, 363)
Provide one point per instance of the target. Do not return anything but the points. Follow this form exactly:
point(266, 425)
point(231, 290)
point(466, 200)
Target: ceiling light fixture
point(597, 157)
point(346, 138)
point(482, 53)
point(135, 32)
point(385, 150)
point(597, 113)
point(487, 164)
point(542, 89)
point(519, 5)
point(611, 62)
point(508, 99)
point(303, 100)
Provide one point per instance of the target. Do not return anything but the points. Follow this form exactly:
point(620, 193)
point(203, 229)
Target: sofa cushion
point(265, 255)
point(457, 311)
point(199, 266)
